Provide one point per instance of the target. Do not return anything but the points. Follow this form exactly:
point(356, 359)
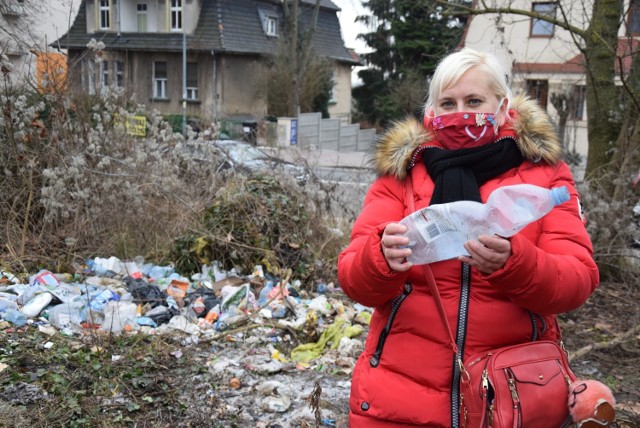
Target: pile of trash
point(133, 297)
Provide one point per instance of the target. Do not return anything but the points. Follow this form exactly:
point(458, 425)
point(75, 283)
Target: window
point(540, 28)
point(539, 90)
point(104, 74)
point(119, 66)
point(269, 20)
point(104, 13)
point(176, 15)
point(271, 26)
point(159, 79)
point(332, 99)
point(88, 77)
point(192, 81)
point(142, 17)
point(577, 102)
point(633, 20)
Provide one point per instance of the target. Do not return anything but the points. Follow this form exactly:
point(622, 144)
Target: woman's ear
point(505, 104)
point(430, 113)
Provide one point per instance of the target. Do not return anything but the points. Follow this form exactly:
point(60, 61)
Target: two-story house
point(225, 45)
point(543, 59)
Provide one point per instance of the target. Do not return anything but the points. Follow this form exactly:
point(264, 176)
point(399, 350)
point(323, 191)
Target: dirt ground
point(611, 315)
point(239, 379)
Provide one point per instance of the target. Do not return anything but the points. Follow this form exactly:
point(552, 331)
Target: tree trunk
point(602, 93)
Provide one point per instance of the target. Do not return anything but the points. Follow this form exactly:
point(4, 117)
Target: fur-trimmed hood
point(536, 138)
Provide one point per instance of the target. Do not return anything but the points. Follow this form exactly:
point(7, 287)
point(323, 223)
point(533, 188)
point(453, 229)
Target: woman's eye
point(474, 102)
point(446, 104)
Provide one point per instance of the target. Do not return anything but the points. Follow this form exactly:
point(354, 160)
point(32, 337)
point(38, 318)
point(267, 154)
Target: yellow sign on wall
point(135, 125)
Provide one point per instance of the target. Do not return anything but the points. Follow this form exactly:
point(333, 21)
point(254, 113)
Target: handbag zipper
point(517, 414)
point(487, 408)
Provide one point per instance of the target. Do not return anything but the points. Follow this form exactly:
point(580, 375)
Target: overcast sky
point(350, 29)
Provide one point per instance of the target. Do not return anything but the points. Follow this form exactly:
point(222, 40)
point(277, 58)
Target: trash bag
point(162, 314)
point(144, 293)
point(208, 297)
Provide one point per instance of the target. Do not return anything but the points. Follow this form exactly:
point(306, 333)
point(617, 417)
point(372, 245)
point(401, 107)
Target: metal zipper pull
point(517, 421)
point(514, 393)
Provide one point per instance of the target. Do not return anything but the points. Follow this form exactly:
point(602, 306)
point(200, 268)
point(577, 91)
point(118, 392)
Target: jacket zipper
point(540, 329)
point(534, 334)
point(374, 361)
point(461, 336)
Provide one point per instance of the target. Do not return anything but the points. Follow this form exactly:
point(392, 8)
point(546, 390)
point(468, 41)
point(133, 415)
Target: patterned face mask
point(463, 130)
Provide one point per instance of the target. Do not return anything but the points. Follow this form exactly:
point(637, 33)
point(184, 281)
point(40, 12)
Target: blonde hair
point(451, 68)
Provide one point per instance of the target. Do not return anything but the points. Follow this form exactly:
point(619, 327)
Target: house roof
point(224, 26)
point(574, 66)
point(626, 51)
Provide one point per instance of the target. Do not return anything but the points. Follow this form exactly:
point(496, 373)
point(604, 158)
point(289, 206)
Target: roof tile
point(231, 26)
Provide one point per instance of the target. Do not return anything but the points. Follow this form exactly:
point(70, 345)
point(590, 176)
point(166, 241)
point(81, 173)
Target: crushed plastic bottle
point(7, 303)
point(264, 293)
point(14, 316)
point(439, 231)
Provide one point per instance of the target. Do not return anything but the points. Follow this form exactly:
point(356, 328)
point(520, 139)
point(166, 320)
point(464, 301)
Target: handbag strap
point(431, 281)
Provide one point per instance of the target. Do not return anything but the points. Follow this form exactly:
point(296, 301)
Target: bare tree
point(298, 76)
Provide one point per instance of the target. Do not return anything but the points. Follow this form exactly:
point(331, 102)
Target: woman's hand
point(488, 253)
point(392, 244)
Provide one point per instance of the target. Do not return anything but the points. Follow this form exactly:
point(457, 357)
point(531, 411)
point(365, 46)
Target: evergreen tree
point(408, 39)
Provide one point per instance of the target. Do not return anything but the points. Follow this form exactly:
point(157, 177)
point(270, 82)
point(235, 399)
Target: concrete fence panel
point(330, 134)
point(366, 139)
point(349, 138)
point(309, 129)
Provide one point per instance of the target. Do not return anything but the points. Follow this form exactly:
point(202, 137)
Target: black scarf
point(458, 174)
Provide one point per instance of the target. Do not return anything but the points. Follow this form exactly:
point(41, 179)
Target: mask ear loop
point(495, 116)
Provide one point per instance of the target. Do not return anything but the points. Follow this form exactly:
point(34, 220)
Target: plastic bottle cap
point(559, 195)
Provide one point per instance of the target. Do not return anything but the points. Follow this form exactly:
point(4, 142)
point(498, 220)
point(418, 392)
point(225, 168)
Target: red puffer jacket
point(406, 374)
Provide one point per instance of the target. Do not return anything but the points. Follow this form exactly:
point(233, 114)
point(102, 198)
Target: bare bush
point(75, 182)
point(614, 231)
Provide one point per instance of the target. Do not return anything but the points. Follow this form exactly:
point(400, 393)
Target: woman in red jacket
point(474, 139)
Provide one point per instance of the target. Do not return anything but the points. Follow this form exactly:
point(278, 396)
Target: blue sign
point(294, 131)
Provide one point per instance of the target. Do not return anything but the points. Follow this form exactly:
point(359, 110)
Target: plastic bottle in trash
point(15, 317)
point(439, 231)
point(264, 293)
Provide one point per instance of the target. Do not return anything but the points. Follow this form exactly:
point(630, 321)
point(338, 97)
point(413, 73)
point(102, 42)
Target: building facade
point(544, 61)
point(141, 46)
